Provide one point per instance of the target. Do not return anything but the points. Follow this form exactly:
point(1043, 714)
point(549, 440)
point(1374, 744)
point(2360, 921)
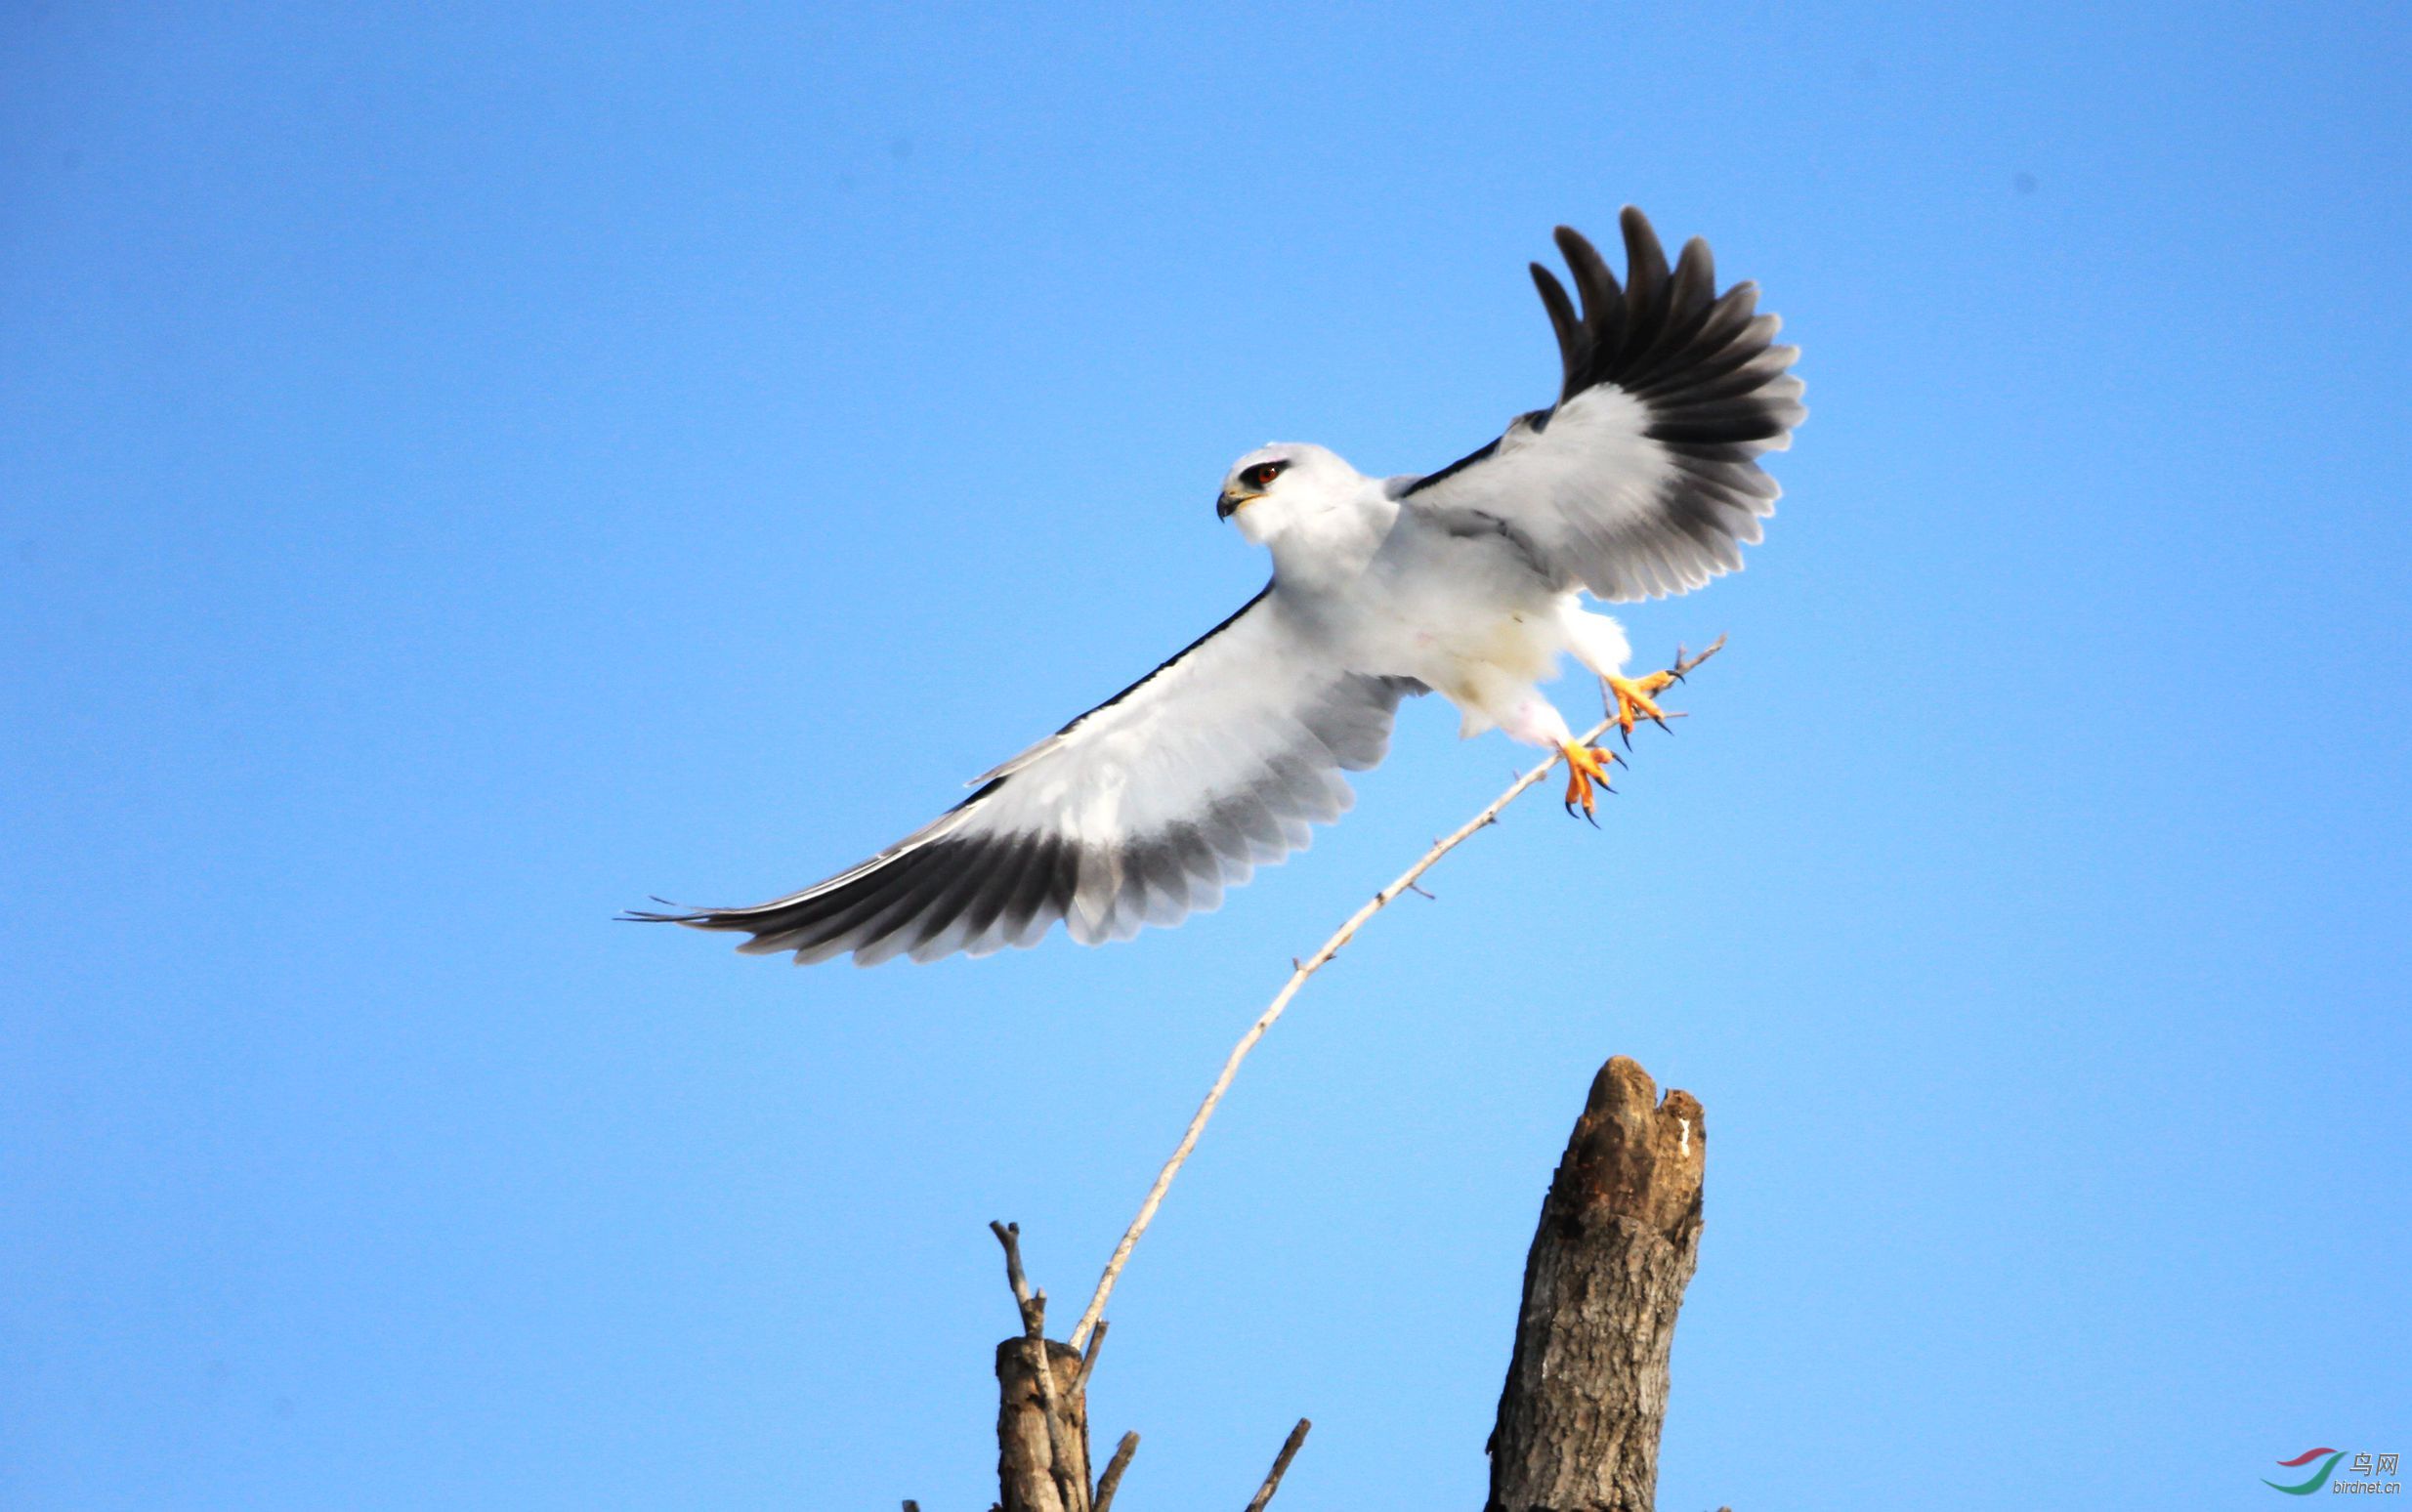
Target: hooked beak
point(1228, 503)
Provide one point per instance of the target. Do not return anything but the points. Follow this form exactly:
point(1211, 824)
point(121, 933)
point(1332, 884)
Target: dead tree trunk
point(1041, 1437)
point(1041, 1404)
point(1620, 1234)
point(1043, 1414)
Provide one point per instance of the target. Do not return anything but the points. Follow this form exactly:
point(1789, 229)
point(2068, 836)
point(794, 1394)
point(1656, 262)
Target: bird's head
point(1276, 487)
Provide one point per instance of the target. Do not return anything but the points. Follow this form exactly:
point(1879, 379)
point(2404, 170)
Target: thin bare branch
point(1299, 971)
point(1108, 1483)
point(1281, 1465)
point(1070, 1487)
point(1034, 1309)
point(1088, 1357)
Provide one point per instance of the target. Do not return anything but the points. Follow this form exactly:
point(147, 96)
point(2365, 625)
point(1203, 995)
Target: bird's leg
point(1585, 765)
point(1630, 700)
point(1528, 717)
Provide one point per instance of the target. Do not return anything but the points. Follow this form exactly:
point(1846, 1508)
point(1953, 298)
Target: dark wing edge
point(979, 877)
point(1716, 391)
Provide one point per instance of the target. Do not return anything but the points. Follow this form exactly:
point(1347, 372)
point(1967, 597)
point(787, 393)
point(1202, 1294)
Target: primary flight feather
point(1642, 481)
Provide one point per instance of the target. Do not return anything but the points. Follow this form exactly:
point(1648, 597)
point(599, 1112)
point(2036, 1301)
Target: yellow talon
point(1632, 698)
point(1585, 765)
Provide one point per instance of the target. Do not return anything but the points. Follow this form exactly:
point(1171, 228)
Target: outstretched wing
point(1643, 478)
point(1139, 811)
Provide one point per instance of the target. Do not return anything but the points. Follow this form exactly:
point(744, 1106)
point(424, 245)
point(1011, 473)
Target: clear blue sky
point(467, 470)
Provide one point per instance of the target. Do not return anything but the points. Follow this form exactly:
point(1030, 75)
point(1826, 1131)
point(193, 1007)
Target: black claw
point(1586, 813)
point(1625, 735)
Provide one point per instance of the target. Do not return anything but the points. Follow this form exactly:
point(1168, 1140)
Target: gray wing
point(1644, 480)
point(1139, 811)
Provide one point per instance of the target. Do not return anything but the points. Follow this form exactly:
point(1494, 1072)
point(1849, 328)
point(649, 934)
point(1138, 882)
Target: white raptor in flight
point(1642, 480)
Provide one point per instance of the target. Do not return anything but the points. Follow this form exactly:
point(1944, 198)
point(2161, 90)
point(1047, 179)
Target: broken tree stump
point(1619, 1237)
point(1041, 1437)
point(1041, 1403)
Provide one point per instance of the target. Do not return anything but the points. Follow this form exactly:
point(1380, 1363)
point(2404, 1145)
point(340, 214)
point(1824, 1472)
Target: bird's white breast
point(1466, 617)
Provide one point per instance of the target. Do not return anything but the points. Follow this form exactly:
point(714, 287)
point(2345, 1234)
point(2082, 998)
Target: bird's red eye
point(1261, 475)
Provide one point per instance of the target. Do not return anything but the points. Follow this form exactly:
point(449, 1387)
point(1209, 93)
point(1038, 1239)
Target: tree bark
point(1041, 1465)
point(1619, 1237)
